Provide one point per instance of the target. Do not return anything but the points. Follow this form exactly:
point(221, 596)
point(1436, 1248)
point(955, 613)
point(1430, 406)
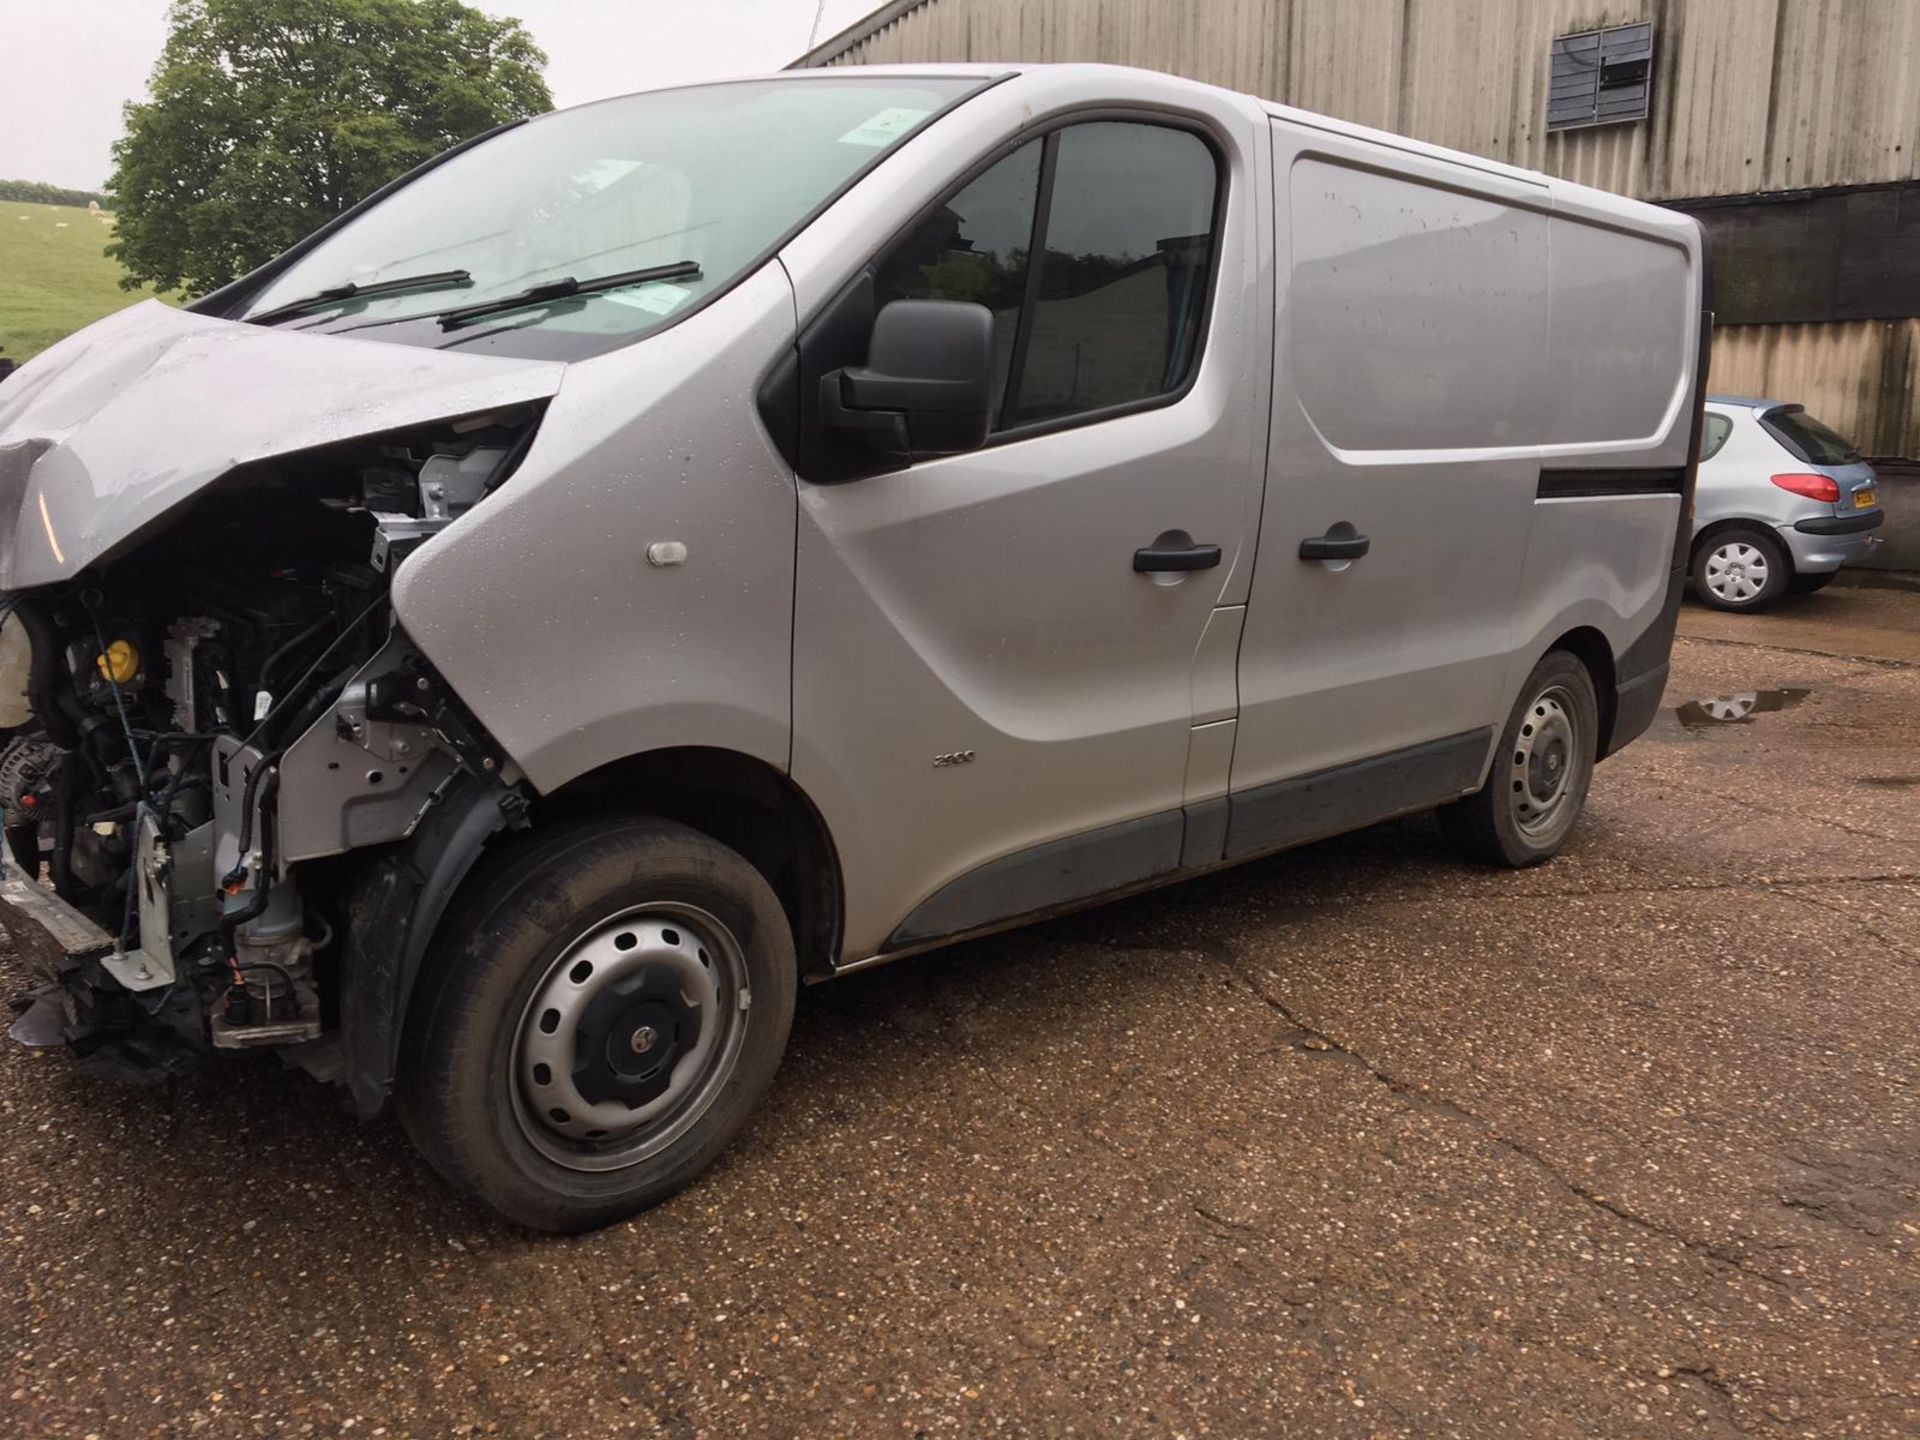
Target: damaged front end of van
point(314, 590)
point(210, 700)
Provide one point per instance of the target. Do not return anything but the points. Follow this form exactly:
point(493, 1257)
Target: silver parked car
point(1783, 502)
point(734, 535)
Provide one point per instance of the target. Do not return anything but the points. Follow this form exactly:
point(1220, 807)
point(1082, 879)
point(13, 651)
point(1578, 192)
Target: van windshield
point(699, 182)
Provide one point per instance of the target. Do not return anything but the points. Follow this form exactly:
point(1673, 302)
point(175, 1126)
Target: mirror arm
point(885, 429)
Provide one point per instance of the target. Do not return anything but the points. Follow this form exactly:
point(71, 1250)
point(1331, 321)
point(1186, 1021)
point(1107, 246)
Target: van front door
point(1409, 394)
point(995, 653)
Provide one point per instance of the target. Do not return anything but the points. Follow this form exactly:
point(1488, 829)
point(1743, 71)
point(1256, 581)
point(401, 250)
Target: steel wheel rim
point(1737, 572)
point(629, 1036)
point(1545, 762)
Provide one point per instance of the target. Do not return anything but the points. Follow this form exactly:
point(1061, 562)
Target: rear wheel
point(1740, 569)
point(607, 1006)
point(1538, 784)
point(1808, 584)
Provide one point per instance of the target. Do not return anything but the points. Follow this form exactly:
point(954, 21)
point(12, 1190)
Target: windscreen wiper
point(567, 288)
point(436, 280)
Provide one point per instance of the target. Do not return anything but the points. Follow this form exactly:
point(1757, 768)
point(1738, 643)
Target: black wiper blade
point(567, 288)
point(339, 294)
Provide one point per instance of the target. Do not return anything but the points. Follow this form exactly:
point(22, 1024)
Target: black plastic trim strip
point(1155, 849)
point(1588, 484)
point(1347, 797)
point(1841, 524)
point(1036, 273)
point(1206, 838)
point(1635, 703)
point(1045, 877)
point(394, 908)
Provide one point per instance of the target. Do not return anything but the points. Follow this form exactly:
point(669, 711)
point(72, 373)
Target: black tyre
point(1744, 568)
point(1538, 784)
point(1809, 583)
point(603, 1010)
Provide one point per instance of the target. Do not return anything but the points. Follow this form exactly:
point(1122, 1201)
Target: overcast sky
point(68, 65)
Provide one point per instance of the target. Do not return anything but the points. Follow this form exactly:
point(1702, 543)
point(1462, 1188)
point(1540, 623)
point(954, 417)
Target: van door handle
point(1339, 543)
point(1166, 554)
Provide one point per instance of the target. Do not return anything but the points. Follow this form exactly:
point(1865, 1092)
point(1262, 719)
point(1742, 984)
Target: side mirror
point(927, 386)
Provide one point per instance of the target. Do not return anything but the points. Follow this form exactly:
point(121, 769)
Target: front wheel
point(1538, 784)
point(607, 1005)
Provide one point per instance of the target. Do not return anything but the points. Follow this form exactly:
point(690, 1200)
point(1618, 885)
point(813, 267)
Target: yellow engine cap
point(120, 663)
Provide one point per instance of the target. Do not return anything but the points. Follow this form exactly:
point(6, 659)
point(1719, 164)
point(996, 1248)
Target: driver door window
point(1122, 216)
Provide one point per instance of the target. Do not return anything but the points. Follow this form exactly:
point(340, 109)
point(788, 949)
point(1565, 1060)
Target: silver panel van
point(733, 535)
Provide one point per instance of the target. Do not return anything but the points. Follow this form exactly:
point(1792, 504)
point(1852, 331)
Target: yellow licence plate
point(1865, 499)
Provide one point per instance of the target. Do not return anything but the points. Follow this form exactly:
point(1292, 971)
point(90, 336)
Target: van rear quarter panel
point(1623, 345)
point(1447, 330)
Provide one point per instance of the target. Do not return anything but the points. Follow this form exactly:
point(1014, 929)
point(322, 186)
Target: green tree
point(270, 117)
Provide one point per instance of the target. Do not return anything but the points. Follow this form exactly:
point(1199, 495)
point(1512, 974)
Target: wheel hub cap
point(626, 1039)
point(1544, 761)
point(1547, 768)
point(1736, 572)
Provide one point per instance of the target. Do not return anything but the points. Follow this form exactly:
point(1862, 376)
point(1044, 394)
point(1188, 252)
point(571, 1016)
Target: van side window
point(1714, 430)
point(1129, 245)
point(1126, 243)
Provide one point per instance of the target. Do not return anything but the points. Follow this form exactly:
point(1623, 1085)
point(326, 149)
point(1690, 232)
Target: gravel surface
point(1352, 1142)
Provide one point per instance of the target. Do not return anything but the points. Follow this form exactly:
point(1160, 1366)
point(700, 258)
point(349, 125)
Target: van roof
point(1566, 192)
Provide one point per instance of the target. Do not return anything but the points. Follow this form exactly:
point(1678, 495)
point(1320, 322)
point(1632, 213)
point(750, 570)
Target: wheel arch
point(1737, 522)
point(1592, 649)
point(397, 901)
point(744, 803)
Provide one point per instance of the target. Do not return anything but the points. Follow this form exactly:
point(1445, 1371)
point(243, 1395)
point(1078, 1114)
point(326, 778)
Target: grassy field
point(53, 277)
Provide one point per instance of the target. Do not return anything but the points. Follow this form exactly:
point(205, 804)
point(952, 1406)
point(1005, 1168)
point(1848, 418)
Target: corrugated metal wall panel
point(1749, 95)
point(1847, 103)
point(1344, 59)
point(1857, 375)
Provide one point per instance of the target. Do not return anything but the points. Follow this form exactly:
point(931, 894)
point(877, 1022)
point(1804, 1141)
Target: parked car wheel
point(1808, 584)
point(606, 1007)
point(1538, 784)
point(1740, 569)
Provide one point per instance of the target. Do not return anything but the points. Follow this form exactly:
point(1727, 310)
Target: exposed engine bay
point(215, 711)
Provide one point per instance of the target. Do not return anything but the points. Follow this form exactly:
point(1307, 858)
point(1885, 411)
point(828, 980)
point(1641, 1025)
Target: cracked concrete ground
point(1352, 1142)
